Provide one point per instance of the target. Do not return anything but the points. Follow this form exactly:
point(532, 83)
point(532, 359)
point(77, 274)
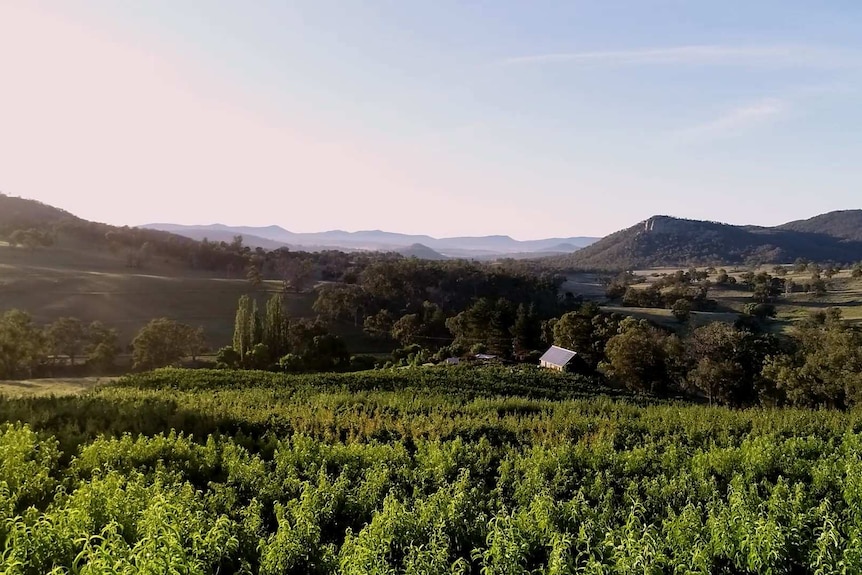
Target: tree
point(276, 326)
point(67, 337)
point(817, 286)
point(586, 331)
point(825, 369)
point(637, 357)
point(406, 329)
point(243, 327)
point(163, 342)
point(195, 340)
point(499, 336)
point(301, 336)
point(379, 325)
point(527, 331)
point(341, 302)
point(258, 357)
point(253, 273)
point(760, 310)
point(23, 346)
point(715, 378)
point(227, 358)
point(681, 310)
point(727, 362)
point(327, 352)
point(102, 347)
point(296, 273)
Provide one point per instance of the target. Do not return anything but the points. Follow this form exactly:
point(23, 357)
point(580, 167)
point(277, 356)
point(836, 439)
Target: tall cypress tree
point(242, 333)
point(255, 324)
point(275, 327)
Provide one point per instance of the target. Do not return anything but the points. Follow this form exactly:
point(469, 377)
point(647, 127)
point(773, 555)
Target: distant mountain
point(844, 224)
point(216, 235)
point(465, 247)
point(666, 241)
point(420, 251)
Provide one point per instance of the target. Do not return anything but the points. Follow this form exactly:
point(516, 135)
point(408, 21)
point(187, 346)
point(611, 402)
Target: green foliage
point(826, 366)
point(228, 358)
point(681, 310)
point(22, 345)
point(587, 332)
point(243, 330)
point(640, 357)
point(761, 311)
point(725, 363)
point(164, 342)
point(420, 471)
point(276, 326)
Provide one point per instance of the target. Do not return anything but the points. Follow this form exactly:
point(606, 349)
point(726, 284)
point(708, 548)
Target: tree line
point(71, 346)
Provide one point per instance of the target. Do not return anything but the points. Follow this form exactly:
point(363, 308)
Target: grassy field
point(51, 386)
point(588, 285)
point(91, 286)
point(844, 292)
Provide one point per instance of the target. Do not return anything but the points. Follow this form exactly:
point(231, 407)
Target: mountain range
point(659, 241)
point(664, 241)
point(482, 247)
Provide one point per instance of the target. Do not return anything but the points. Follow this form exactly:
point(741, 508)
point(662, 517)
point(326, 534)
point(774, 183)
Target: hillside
point(30, 222)
point(22, 214)
point(420, 251)
point(67, 266)
point(843, 224)
point(225, 235)
point(666, 241)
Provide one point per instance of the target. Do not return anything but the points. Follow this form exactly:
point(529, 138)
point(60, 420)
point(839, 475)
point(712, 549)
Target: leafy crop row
point(299, 475)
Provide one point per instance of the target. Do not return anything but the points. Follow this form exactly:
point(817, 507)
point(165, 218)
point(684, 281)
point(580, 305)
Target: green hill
point(843, 224)
point(664, 241)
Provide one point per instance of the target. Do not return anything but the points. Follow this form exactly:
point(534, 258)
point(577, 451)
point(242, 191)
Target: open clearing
point(51, 386)
point(844, 292)
point(49, 284)
point(97, 285)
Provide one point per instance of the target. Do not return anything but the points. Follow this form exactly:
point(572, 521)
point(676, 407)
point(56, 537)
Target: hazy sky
point(445, 117)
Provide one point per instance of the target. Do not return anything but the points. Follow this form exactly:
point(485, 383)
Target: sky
point(531, 119)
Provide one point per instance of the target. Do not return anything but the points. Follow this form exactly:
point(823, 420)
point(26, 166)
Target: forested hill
point(667, 241)
point(843, 224)
point(31, 225)
point(26, 221)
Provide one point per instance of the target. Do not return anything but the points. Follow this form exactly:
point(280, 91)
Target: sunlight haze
point(532, 119)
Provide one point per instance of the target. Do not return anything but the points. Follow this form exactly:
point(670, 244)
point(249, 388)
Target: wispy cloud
point(774, 56)
point(735, 121)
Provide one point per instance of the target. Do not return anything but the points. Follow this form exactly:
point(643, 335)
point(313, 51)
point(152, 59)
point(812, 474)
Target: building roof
point(559, 356)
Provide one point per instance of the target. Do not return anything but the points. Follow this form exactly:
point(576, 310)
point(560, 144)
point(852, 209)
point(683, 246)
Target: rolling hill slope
point(666, 241)
point(843, 224)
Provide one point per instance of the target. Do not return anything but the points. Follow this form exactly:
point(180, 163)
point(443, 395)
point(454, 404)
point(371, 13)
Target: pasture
point(97, 285)
point(844, 292)
point(51, 386)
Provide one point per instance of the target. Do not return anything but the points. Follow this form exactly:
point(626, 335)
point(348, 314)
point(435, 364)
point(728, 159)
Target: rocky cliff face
point(666, 225)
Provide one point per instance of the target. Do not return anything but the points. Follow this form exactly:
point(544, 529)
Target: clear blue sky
point(531, 119)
